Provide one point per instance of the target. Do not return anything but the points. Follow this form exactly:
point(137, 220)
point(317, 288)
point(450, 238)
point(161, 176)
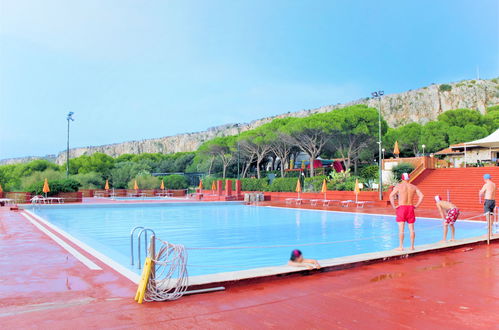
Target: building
point(483, 151)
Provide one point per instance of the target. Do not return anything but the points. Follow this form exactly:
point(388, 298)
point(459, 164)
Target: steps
point(460, 185)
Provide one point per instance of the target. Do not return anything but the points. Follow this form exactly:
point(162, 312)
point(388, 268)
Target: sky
point(132, 70)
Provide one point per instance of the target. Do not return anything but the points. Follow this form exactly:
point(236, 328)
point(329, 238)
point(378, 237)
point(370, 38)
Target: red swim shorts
point(452, 215)
point(405, 213)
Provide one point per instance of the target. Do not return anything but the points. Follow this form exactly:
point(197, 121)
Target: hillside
point(420, 105)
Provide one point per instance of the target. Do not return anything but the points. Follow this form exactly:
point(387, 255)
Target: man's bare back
point(405, 192)
point(489, 190)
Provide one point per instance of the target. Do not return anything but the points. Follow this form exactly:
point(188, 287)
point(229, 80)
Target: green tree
point(461, 117)
point(311, 134)
point(409, 137)
point(255, 145)
point(466, 134)
point(126, 171)
point(90, 180)
point(97, 162)
point(434, 136)
point(280, 142)
point(491, 119)
point(353, 128)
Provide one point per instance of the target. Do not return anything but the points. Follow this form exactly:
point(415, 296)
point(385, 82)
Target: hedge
point(175, 181)
point(56, 187)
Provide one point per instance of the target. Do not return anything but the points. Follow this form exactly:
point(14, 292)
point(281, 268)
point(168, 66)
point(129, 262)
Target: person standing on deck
point(489, 191)
point(449, 213)
point(405, 192)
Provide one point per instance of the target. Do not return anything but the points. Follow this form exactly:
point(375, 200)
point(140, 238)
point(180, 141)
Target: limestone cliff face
point(420, 105)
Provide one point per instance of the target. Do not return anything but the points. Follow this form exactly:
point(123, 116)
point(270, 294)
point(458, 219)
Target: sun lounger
point(297, 201)
point(328, 202)
point(363, 203)
point(346, 203)
point(52, 200)
point(38, 200)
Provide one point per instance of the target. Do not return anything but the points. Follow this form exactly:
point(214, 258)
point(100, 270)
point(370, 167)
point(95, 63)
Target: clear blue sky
point(132, 70)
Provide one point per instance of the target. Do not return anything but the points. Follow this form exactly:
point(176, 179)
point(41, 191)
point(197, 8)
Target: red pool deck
point(44, 287)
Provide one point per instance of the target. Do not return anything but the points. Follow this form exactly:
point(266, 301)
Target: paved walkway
point(44, 287)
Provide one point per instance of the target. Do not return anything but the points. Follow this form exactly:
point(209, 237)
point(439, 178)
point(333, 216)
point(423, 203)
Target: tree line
point(350, 133)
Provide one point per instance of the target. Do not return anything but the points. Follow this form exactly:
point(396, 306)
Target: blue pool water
point(157, 198)
point(107, 229)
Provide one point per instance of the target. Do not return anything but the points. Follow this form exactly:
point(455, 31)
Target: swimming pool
point(156, 198)
point(215, 225)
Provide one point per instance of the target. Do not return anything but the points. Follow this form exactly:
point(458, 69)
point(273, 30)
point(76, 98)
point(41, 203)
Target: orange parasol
point(135, 185)
point(162, 187)
point(213, 186)
point(106, 187)
point(200, 184)
point(356, 190)
point(396, 150)
point(1, 190)
point(298, 186)
point(46, 187)
point(324, 188)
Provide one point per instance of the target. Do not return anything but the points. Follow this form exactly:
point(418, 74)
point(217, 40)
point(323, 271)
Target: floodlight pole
point(68, 118)
point(377, 95)
point(238, 160)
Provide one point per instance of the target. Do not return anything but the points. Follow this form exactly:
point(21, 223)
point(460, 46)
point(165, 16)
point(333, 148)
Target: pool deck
point(43, 286)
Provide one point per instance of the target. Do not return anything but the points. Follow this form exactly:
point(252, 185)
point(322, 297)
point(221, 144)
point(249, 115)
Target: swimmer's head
point(487, 177)
point(405, 177)
point(295, 255)
point(438, 199)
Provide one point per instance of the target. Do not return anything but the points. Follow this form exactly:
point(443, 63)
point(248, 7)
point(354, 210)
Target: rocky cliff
point(420, 105)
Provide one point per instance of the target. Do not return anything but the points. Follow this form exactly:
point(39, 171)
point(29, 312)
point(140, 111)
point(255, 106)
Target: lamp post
point(378, 95)
point(68, 118)
point(424, 146)
point(238, 161)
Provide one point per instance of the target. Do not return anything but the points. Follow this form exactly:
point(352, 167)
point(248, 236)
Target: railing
point(424, 163)
point(416, 172)
point(142, 231)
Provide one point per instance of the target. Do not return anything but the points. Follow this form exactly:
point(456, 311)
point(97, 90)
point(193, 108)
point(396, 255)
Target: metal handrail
point(131, 241)
point(145, 230)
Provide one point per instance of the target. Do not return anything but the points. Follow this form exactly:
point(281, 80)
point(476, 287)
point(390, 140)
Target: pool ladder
point(144, 231)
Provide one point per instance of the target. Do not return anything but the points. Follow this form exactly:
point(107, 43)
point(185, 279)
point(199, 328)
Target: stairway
point(460, 184)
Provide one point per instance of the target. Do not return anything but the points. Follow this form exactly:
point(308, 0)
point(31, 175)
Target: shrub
point(27, 183)
point(314, 183)
point(347, 184)
point(283, 184)
point(251, 184)
point(369, 172)
point(175, 181)
point(402, 168)
point(56, 186)
point(208, 181)
point(445, 88)
point(145, 181)
point(91, 180)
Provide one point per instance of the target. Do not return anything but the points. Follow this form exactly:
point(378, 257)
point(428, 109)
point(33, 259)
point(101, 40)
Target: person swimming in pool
point(449, 213)
point(297, 260)
point(405, 209)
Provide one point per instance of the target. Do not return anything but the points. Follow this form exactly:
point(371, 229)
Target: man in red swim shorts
point(405, 209)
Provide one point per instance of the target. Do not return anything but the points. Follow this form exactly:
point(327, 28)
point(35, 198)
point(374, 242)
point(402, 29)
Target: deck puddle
point(388, 276)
